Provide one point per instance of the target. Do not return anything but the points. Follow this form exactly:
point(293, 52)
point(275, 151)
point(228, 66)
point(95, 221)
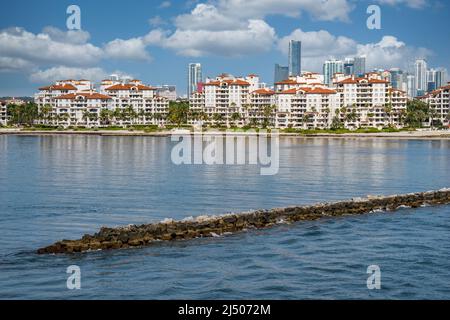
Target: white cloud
point(208, 17)
point(156, 21)
point(256, 37)
point(390, 52)
point(61, 72)
point(416, 4)
point(8, 64)
point(328, 10)
point(70, 36)
point(318, 46)
point(42, 48)
point(132, 49)
point(165, 4)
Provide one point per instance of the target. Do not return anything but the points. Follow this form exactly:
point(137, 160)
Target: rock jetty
point(210, 226)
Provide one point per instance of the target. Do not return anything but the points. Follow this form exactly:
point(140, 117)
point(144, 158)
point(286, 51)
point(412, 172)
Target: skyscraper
point(421, 76)
point(359, 66)
point(281, 73)
point(194, 77)
point(435, 79)
point(411, 85)
point(397, 78)
point(330, 67)
point(295, 58)
point(349, 66)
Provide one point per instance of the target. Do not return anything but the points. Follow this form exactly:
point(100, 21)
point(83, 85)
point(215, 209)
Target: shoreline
point(424, 135)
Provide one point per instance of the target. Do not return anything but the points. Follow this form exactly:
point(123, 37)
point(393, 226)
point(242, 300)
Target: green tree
point(178, 112)
point(105, 117)
point(416, 113)
point(25, 114)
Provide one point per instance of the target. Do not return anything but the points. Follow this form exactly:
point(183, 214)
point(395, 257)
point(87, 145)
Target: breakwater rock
point(210, 226)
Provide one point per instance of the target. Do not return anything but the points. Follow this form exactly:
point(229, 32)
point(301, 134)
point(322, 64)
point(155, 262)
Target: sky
point(155, 40)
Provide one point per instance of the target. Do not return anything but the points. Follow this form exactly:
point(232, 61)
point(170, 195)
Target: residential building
point(439, 104)
point(194, 78)
point(167, 91)
point(370, 102)
point(76, 103)
point(421, 77)
point(295, 58)
point(349, 66)
point(281, 73)
point(359, 66)
point(411, 86)
point(3, 114)
point(330, 68)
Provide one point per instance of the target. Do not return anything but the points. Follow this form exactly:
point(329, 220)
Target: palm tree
point(235, 117)
point(105, 116)
point(46, 113)
point(86, 116)
point(218, 119)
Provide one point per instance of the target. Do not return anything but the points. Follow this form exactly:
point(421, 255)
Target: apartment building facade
point(3, 114)
point(77, 103)
point(302, 102)
point(439, 104)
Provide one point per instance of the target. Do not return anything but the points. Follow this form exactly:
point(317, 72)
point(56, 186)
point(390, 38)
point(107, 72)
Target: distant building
point(421, 76)
point(359, 66)
point(397, 78)
point(349, 66)
point(167, 91)
point(331, 67)
point(281, 73)
point(295, 58)
point(411, 86)
point(194, 77)
point(435, 79)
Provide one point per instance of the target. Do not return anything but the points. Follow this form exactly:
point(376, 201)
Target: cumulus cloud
point(165, 4)
point(156, 21)
point(58, 73)
point(42, 48)
point(256, 37)
point(132, 49)
point(416, 4)
point(327, 10)
point(391, 52)
point(208, 17)
point(318, 46)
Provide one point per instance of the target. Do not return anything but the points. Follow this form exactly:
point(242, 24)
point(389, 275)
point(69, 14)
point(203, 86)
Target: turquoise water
point(56, 187)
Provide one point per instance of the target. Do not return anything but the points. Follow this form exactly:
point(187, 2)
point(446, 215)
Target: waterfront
point(54, 187)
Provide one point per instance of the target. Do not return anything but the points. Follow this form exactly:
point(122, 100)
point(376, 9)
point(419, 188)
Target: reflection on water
point(55, 187)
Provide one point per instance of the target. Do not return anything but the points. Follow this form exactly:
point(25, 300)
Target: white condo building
point(3, 114)
point(76, 103)
point(439, 103)
point(303, 102)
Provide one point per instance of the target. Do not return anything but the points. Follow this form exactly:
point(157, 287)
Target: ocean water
point(61, 187)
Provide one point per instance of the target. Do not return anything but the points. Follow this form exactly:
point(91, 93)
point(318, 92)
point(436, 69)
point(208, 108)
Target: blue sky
point(155, 40)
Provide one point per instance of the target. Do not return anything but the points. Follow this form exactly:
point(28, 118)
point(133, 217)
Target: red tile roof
point(287, 81)
point(127, 87)
point(64, 86)
point(89, 96)
point(264, 92)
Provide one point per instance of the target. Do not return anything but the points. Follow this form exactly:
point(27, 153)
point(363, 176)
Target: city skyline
point(151, 47)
